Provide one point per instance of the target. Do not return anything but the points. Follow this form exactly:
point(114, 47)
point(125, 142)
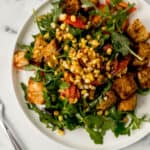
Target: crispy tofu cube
point(108, 102)
point(144, 78)
point(50, 53)
point(19, 59)
point(143, 52)
point(128, 104)
point(137, 31)
point(39, 45)
point(125, 86)
point(35, 92)
point(71, 6)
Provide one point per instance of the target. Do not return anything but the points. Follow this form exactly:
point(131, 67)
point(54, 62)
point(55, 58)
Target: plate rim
point(22, 26)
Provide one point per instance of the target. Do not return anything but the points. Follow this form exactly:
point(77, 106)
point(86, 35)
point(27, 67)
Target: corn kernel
point(73, 18)
point(109, 51)
point(69, 36)
point(60, 118)
point(63, 26)
point(46, 36)
point(56, 113)
point(100, 112)
point(84, 92)
point(106, 113)
point(94, 43)
point(62, 17)
point(60, 132)
point(66, 48)
point(103, 28)
point(53, 25)
point(88, 37)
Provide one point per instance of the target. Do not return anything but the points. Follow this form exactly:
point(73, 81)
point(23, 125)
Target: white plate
point(79, 139)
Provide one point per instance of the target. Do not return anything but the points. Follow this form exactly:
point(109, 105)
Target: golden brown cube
point(71, 6)
point(39, 45)
point(50, 53)
point(108, 102)
point(125, 86)
point(144, 78)
point(143, 52)
point(137, 31)
point(128, 104)
point(19, 59)
point(35, 92)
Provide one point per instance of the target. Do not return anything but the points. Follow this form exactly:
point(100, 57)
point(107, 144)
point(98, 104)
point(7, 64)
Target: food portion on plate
point(89, 65)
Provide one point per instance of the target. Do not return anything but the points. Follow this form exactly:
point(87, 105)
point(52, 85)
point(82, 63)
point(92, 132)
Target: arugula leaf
point(87, 3)
point(44, 117)
point(29, 49)
point(99, 98)
point(114, 2)
point(64, 85)
point(47, 99)
point(24, 88)
point(121, 44)
point(97, 126)
point(143, 91)
point(36, 68)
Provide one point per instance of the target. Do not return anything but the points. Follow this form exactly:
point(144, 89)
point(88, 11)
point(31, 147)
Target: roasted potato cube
point(125, 86)
point(128, 104)
point(143, 52)
point(39, 45)
point(144, 78)
point(108, 102)
point(50, 53)
point(71, 6)
point(137, 31)
point(19, 59)
point(35, 92)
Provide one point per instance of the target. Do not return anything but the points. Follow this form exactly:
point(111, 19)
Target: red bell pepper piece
point(78, 23)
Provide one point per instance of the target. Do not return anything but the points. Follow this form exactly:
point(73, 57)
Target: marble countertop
point(12, 16)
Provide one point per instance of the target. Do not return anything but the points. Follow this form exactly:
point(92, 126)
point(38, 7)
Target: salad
point(89, 64)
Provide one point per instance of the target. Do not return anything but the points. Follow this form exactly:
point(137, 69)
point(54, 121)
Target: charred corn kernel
point(46, 36)
point(84, 92)
point(60, 118)
point(73, 18)
point(94, 43)
point(78, 77)
point(55, 73)
point(105, 98)
point(56, 113)
point(96, 71)
point(66, 48)
point(103, 28)
point(69, 36)
point(86, 95)
point(106, 113)
point(109, 51)
point(90, 76)
point(88, 37)
point(62, 17)
point(74, 40)
point(108, 66)
point(109, 75)
point(53, 25)
point(75, 101)
point(100, 112)
point(87, 80)
point(60, 132)
point(63, 26)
